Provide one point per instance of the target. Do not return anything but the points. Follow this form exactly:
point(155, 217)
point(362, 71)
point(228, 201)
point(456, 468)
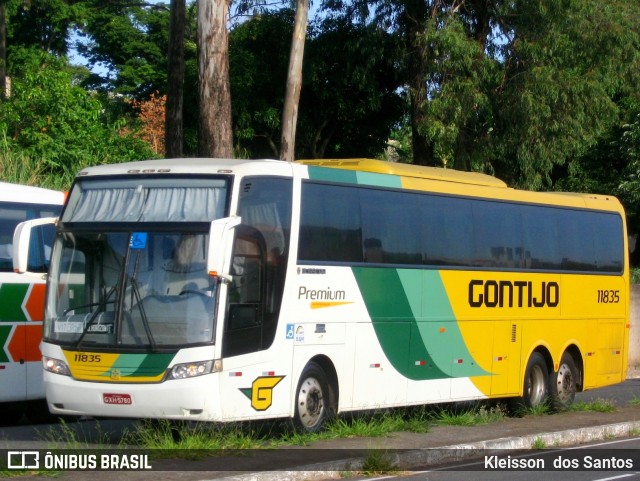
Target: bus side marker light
point(421, 363)
point(374, 366)
point(235, 374)
point(442, 329)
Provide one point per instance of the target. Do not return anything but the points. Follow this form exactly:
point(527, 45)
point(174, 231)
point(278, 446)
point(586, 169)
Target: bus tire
point(313, 405)
point(563, 384)
point(535, 391)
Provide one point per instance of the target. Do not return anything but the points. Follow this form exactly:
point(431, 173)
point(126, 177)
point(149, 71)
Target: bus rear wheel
point(563, 384)
point(313, 405)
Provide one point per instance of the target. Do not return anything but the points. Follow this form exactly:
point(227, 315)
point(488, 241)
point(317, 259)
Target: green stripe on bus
point(332, 175)
point(142, 365)
point(354, 177)
point(5, 332)
point(414, 322)
point(154, 365)
point(394, 322)
point(379, 180)
point(11, 299)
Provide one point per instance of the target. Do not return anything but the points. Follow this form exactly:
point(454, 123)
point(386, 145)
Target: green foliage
point(473, 416)
point(258, 61)
point(557, 99)
point(44, 24)
point(538, 443)
point(59, 126)
point(378, 462)
point(130, 42)
point(457, 99)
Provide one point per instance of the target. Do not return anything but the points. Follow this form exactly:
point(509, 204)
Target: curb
point(414, 458)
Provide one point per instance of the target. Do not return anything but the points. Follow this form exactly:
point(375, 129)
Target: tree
point(352, 92)
point(258, 59)
point(175, 81)
point(215, 135)
point(294, 82)
point(60, 124)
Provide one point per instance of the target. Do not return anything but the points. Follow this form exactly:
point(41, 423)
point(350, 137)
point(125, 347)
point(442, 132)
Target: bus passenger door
point(243, 330)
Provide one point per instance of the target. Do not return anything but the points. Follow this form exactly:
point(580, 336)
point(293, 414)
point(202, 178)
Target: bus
point(229, 290)
point(22, 297)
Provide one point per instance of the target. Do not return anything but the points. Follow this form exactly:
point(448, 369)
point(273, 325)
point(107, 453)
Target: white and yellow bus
point(226, 290)
point(22, 297)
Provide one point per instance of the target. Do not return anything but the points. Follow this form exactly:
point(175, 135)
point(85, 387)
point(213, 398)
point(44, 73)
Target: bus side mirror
point(22, 245)
point(220, 242)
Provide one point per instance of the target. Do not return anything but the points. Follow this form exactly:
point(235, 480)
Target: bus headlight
point(55, 366)
point(192, 369)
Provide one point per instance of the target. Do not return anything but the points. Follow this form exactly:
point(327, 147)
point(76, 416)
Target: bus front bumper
point(190, 399)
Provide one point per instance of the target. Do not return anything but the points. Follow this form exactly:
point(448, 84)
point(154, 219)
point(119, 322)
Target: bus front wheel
point(563, 384)
point(536, 382)
point(312, 399)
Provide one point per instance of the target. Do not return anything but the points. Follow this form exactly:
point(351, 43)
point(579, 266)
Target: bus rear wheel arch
point(314, 398)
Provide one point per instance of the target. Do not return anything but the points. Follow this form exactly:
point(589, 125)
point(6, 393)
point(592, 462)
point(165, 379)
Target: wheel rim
point(310, 402)
point(564, 384)
point(537, 389)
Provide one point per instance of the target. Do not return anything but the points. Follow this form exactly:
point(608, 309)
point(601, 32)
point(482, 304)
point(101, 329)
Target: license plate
point(109, 398)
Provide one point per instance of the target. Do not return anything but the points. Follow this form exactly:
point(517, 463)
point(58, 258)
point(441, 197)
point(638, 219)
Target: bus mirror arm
point(21, 243)
point(220, 242)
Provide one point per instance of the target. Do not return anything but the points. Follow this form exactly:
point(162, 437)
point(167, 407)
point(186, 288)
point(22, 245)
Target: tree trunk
point(173, 137)
point(216, 135)
point(3, 49)
point(294, 83)
point(416, 15)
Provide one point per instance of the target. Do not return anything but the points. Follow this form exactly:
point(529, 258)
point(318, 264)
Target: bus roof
point(29, 195)
point(408, 170)
point(415, 177)
point(189, 165)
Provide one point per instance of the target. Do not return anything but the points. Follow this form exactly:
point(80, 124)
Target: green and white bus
point(227, 290)
point(22, 297)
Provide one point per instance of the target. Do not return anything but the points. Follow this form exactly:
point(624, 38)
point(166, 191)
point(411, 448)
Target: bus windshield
point(147, 289)
point(129, 264)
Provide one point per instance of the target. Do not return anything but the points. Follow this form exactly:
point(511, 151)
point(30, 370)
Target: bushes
point(52, 127)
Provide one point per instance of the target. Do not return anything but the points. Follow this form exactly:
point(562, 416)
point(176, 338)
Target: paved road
point(582, 463)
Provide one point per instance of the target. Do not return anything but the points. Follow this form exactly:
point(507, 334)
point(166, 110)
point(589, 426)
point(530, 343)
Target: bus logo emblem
point(261, 391)
point(115, 374)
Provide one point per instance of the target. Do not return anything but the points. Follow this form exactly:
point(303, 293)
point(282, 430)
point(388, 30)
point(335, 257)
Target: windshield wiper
point(143, 315)
point(94, 316)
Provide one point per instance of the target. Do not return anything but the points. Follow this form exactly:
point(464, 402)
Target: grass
point(635, 401)
point(168, 435)
point(541, 409)
point(538, 443)
point(476, 415)
point(378, 462)
point(28, 170)
point(186, 439)
point(63, 436)
point(597, 405)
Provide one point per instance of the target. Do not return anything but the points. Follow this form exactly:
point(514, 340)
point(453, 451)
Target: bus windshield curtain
point(148, 204)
